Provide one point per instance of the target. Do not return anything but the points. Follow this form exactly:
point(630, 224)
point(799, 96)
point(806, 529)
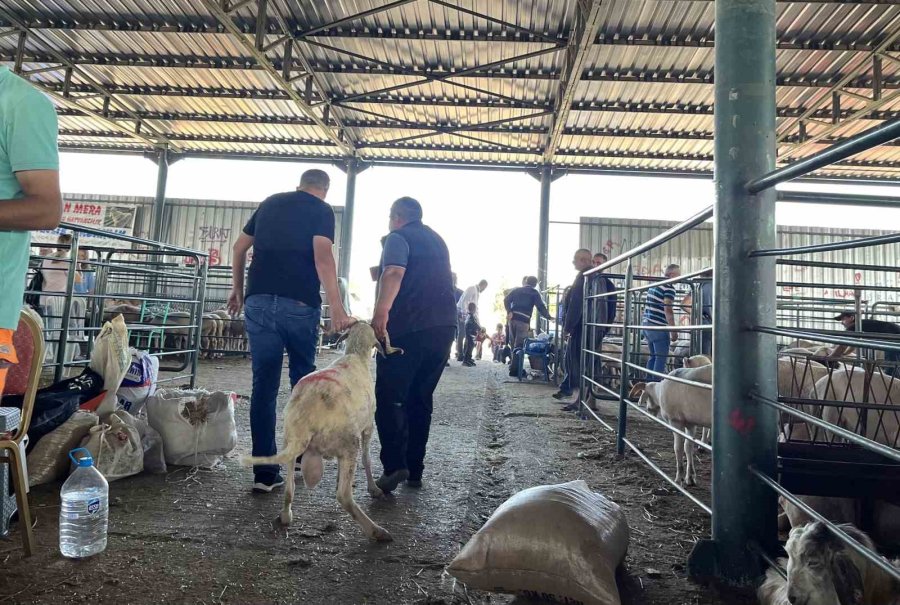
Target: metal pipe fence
point(854, 405)
point(834, 413)
point(158, 289)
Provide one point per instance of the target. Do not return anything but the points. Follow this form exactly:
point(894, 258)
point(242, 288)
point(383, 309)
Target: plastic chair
point(545, 354)
point(13, 446)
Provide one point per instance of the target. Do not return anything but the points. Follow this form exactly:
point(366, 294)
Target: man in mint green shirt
point(29, 184)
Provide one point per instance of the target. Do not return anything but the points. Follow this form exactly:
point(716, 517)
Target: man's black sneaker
point(388, 483)
point(572, 407)
point(267, 485)
point(416, 483)
point(559, 395)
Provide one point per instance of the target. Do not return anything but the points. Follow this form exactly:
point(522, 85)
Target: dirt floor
point(202, 537)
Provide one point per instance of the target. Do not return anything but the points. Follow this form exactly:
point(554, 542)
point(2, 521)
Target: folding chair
point(12, 445)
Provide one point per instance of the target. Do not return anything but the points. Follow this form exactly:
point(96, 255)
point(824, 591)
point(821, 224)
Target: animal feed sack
point(561, 542)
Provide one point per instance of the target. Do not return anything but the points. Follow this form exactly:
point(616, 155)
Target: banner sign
point(112, 217)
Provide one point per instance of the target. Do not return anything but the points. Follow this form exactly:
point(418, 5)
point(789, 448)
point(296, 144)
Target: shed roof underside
point(618, 85)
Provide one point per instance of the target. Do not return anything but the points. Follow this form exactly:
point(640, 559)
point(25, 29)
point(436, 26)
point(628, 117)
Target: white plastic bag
point(49, 460)
point(116, 447)
point(197, 427)
point(554, 542)
point(110, 359)
point(139, 382)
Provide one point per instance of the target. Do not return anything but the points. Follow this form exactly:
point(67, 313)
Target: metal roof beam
point(172, 24)
point(587, 23)
point(276, 75)
point(274, 95)
point(468, 164)
point(432, 73)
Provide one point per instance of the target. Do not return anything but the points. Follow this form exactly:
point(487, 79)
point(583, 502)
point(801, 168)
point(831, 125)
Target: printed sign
point(113, 218)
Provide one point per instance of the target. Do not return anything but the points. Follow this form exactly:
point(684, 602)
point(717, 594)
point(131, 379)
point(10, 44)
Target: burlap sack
point(49, 460)
point(556, 542)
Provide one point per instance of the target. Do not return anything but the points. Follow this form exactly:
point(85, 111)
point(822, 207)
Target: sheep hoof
point(376, 492)
point(285, 518)
point(380, 534)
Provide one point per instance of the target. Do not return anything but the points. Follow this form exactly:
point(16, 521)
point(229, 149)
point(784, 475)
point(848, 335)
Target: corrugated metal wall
point(693, 250)
point(208, 225)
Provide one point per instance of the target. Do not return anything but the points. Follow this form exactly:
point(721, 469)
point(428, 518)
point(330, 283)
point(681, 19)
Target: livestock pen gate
point(594, 87)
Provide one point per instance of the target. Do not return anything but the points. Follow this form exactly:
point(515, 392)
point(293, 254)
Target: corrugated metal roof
point(440, 80)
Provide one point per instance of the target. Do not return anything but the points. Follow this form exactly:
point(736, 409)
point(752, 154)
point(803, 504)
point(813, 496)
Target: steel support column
point(159, 203)
point(347, 220)
point(544, 225)
point(744, 432)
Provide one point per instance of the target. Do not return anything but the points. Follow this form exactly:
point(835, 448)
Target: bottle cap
point(85, 460)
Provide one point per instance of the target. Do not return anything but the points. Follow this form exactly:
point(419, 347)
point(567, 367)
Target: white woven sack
point(197, 427)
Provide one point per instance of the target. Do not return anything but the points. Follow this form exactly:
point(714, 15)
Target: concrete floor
point(201, 537)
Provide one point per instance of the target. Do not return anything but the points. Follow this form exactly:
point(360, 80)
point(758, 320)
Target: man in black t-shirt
point(848, 319)
point(291, 235)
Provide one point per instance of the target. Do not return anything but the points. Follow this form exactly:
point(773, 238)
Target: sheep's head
point(361, 338)
point(696, 361)
point(643, 392)
point(821, 570)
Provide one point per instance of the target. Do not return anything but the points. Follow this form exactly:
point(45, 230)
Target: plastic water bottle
point(85, 509)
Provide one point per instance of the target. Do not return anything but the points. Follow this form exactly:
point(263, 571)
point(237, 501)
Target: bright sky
point(488, 218)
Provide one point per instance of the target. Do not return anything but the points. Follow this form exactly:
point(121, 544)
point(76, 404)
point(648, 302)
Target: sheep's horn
point(636, 390)
point(388, 349)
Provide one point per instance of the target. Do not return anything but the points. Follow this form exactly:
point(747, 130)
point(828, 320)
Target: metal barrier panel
point(158, 289)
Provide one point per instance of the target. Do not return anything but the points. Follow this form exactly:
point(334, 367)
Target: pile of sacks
point(114, 410)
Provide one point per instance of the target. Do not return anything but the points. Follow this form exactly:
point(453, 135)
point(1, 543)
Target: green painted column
point(744, 432)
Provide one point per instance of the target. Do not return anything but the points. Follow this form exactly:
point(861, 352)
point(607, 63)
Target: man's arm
point(389, 286)
point(327, 272)
point(541, 307)
point(840, 351)
point(668, 307)
point(506, 303)
point(238, 269)
point(41, 208)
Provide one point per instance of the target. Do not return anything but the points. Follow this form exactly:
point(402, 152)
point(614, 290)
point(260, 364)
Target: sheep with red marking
point(331, 415)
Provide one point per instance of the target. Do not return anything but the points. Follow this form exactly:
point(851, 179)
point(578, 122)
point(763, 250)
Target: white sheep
point(696, 361)
point(822, 570)
point(330, 415)
point(852, 385)
point(683, 406)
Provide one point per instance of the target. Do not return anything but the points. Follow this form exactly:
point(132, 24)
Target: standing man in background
point(520, 304)
point(462, 312)
point(29, 194)
point(415, 307)
point(291, 235)
point(573, 326)
point(659, 311)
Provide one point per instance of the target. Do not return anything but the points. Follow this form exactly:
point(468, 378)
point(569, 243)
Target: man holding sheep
point(416, 307)
point(291, 235)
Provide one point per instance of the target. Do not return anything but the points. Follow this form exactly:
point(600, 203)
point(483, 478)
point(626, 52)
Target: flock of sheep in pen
point(821, 569)
point(219, 332)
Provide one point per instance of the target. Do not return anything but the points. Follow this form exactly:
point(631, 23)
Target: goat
point(822, 570)
point(330, 412)
point(685, 407)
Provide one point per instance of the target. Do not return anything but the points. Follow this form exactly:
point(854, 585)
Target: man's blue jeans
point(273, 324)
point(658, 342)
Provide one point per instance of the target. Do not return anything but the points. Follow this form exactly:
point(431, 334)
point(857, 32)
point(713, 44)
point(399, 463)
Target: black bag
point(55, 404)
point(37, 285)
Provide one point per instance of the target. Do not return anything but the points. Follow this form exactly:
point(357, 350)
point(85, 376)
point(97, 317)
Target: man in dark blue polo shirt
point(416, 307)
point(291, 235)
